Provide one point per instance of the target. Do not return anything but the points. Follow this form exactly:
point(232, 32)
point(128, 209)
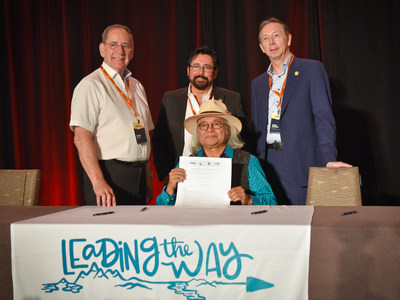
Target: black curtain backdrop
point(48, 46)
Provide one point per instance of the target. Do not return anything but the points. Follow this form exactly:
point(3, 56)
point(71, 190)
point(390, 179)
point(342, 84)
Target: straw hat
point(213, 108)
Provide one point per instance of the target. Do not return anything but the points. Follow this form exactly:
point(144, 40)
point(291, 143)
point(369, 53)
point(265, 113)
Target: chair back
point(334, 187)
point(19, 187)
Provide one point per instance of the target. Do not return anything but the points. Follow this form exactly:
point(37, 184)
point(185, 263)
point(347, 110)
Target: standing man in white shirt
point(111, 120)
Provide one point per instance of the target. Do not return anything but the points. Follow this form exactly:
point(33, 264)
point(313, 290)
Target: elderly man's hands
point(238, 194)
point(176, 175)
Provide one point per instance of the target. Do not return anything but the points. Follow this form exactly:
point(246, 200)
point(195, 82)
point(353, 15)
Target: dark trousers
point(128, 181)
point(280, 176)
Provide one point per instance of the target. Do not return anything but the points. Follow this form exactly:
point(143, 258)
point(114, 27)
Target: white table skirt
point(163, 253)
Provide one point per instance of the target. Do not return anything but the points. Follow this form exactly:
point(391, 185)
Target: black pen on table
point(349, 212)
point(259, 212)
point(103, 213)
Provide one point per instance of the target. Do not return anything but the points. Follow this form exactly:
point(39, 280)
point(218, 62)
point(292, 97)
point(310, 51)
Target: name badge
point(275, 126)
point(140, 133)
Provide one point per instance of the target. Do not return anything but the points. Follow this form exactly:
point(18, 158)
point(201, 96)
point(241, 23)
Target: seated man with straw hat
point(216, 134)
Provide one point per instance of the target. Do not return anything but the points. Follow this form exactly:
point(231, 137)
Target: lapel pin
point(296, 73)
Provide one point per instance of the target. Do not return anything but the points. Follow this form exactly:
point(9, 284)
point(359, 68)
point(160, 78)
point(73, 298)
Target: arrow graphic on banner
point(252, 283)
point(255, 284)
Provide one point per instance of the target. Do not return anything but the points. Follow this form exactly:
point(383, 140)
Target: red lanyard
point(191, 106)
point(280, 94)
point(125, 97)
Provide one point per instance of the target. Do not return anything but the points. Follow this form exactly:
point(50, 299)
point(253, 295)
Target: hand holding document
point(208, 181)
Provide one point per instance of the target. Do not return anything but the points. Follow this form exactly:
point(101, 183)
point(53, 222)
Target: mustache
point(202, 77)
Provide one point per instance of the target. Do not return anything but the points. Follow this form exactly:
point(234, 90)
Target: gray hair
point(234, 141)
point(104, 35)
point(269, 21)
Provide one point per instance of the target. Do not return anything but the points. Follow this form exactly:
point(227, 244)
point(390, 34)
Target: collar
point(228, 152)
point(114, 74)
point(284, 66)
point(207, 95)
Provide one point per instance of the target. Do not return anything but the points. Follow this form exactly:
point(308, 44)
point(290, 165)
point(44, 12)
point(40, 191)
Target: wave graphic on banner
point(187, 289)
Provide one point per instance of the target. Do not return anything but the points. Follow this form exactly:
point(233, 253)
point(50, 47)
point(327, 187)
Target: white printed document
point(208, 181)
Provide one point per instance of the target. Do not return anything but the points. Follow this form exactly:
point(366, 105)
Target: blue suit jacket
point(308, 130)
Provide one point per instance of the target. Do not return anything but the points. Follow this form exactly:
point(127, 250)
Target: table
point(142, 252)
point(351, 257)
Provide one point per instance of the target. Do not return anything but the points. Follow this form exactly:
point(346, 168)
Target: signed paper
point(208, 181)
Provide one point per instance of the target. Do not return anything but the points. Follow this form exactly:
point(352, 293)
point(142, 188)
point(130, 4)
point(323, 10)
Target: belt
point(275, 146)
point(135, 164)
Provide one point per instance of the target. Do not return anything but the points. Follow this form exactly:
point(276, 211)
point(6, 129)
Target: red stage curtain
point(49, 46)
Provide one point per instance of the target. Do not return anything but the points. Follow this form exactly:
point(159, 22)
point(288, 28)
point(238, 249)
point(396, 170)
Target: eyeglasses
point(206, 68)
point(115, 46)
point(203, 126)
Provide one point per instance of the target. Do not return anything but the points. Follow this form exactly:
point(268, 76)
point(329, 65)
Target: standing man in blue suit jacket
point(292, 116)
